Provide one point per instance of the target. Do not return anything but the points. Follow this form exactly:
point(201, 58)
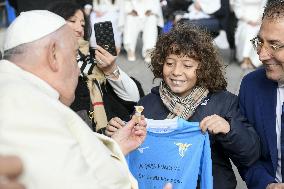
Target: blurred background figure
point(230, 29)
point(3, 13)
point(202, 9)
point(212, 16)
point(169, 7)
point(141, 16)
point(107, 10)
point(7, 13)
point(202, 13)
point(249, 13)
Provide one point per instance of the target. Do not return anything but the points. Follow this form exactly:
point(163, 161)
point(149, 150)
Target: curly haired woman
point(193, 87)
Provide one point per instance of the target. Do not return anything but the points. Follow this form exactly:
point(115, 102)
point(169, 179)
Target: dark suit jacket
point(257, 99)
point(241, 144)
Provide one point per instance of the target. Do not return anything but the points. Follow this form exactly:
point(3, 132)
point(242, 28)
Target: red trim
point(98, 104)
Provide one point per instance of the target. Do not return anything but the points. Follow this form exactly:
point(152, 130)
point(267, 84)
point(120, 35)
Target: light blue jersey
point(177, 152)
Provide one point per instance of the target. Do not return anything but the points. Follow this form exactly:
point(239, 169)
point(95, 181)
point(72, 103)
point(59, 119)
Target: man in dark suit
point(261, 99)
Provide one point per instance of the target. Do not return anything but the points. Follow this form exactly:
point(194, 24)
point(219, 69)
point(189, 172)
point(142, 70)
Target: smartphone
point(104, 36)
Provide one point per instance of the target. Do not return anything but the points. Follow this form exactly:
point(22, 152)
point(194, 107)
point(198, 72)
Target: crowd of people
point(238, 19)
point(66, 107)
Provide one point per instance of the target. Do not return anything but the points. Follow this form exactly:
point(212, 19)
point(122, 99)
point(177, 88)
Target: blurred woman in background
point(248, 13)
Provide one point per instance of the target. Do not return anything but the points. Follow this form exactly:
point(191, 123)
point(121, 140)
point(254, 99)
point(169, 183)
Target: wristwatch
point(114, 74)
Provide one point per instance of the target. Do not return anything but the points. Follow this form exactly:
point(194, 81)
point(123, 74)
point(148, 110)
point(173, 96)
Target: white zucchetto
point(30, 26)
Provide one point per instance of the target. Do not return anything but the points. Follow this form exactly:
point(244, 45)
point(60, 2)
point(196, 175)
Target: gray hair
point(33, 47)
point(16, 51)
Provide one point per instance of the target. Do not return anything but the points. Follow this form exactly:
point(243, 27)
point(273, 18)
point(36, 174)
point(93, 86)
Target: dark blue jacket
point(258, 103)
point(241, 144)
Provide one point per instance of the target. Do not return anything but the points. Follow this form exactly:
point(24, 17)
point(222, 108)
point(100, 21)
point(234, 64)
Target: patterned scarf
point(95, 78)
point(94, 82)
point(182, 107)
point(84, 58)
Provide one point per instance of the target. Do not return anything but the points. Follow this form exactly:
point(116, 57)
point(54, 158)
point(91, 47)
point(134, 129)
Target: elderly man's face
point(69, 70)
point(271, 35)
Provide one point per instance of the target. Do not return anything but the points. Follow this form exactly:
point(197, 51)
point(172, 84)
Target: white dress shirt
point(280, 100)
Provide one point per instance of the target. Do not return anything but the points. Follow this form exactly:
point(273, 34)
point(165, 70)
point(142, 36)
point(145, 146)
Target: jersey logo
point(141, 150)
point(182, 148)
point(205, 102)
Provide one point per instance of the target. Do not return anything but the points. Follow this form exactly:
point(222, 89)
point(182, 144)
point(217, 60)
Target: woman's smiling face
point(77, 23)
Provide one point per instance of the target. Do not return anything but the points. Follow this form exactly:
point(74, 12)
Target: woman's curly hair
point(191, 41)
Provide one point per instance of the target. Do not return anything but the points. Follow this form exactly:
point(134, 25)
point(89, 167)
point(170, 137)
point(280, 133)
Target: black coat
point(114, 106)
point(241, 144)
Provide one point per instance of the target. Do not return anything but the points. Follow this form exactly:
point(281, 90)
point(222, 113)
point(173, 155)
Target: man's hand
point(275, 186)
point(10, 168)
point(215, 125)
point(113, 125)
point(131, 135)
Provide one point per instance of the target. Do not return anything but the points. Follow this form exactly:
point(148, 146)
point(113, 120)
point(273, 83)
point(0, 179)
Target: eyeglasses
point(271, 48)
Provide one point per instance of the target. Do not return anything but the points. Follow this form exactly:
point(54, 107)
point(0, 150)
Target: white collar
point(11, 68)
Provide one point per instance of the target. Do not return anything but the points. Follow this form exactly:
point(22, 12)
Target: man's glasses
point(272, 48)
